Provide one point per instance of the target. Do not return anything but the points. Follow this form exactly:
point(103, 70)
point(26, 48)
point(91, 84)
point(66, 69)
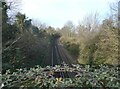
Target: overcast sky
point(57, 12)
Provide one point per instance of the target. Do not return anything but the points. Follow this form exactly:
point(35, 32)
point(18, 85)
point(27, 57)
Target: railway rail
point(59, 57)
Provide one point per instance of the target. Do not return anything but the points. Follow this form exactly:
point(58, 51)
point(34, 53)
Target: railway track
point(59, 57)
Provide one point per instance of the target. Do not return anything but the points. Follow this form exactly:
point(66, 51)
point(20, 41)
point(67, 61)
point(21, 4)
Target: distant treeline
point(91, 42)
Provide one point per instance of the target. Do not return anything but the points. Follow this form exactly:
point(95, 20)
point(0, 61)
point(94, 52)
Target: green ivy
point(37, 77)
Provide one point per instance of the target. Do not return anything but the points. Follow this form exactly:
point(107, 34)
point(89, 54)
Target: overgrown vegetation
point(24, 45)
point(92, 42)
point(37, 77)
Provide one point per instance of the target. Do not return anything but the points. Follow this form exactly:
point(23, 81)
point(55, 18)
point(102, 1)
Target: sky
point(57, 12)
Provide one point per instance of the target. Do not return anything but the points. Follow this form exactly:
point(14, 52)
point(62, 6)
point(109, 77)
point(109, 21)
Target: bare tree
point(13, 8)
point(89, 27)
point(114, 12)
point(91, 22)
point(39, 24)
point(119, 14)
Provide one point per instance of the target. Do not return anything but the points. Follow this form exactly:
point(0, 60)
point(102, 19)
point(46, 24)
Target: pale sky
point(57, 12)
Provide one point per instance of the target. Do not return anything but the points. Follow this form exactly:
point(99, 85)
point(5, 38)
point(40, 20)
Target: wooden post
point(1, 42)
point(1, 37)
